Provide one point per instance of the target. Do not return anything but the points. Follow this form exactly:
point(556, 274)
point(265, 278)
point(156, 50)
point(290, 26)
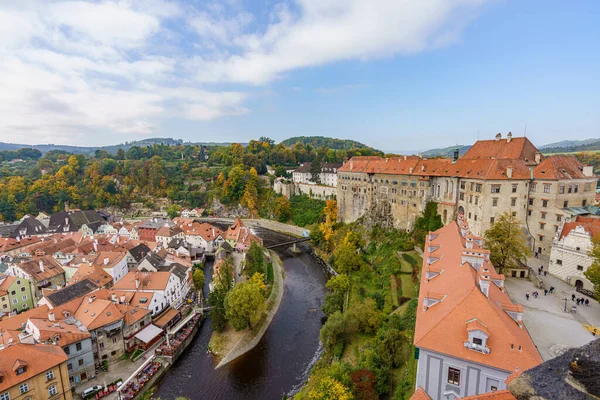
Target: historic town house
point(494, 176)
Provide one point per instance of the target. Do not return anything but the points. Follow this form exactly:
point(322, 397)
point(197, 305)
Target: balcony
point(477, 347)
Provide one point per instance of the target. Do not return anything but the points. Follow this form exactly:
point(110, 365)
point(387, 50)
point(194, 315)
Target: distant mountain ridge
point(112, 149)
point(447, 151)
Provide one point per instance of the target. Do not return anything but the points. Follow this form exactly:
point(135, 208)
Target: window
point(24, 388)
point(114, 340)
point(472, 186)
point(469, 215)
point(584, 203)
point(514, 213)
point(575, 188)
point(541, 238)
point(546, 188)
point(491, 220)
point(5, 396)
point(49, 375)
point(475, 217)
point(561, 189)
point(493, 388)
point(543, 215)
point(531, 202)
point(69, 367)
point(494, 202)
point(580, 268)
point(24, 297)
point(80, 362)
point(15, 301)
point(20, 370)
point(513, 201)
point(101, 345)
point(514, 188)
point(78, 346)
point(566, 204)
point(23, 289)
point(558, 262)
point(476, 200)
point(462, 185)
point(542, 225)
point(544, 203)
point(478, 187)
point(470, 198)
point(454, 376)
point(477, 341)
point(52, 390)
point(495, 188)
point(533, 187)
point(461, 196)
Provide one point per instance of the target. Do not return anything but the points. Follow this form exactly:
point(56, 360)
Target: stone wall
point(290, 189)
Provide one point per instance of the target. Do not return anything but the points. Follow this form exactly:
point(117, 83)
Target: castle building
point(494, 176)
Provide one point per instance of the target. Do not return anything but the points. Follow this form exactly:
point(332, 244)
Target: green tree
point(315, 171)
point(430, 221)
point(593, 271)
point(366, 316)
point(334, 330)
point(507, 244)
point(244, 305)
point(173, 210)
point(198, 277)
point(256, 261)
point(346, 255)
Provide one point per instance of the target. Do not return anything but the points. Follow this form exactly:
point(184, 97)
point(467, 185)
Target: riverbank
point(251, 338)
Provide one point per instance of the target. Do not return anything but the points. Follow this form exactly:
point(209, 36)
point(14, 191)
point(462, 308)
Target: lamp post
point(565, 304)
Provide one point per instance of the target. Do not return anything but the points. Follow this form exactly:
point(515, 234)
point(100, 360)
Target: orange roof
point(498, 395)
point(94, 273)
point(50, 330)
point(233, 230)
point(515, 148)
point(108, 259)
point(442, 328)
point(41, 268)
point(132, 314)
point(559, 167)
point(148, 281)
point(11, 327)
point(476, 325)
point(165, 317)
point(591, 226)
point(95, 312)
point(36, 358)
point(420, 394)
point(515, 374)
point(6, 281)
point(8, 244)
point(207, 231)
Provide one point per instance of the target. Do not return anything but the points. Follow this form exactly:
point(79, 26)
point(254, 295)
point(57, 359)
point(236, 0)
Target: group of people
point(535, 294)
point(580, 300)
point(541, 271)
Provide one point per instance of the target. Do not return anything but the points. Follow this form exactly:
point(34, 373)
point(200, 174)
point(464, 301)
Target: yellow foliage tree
point(328, 388)
point(326, 228)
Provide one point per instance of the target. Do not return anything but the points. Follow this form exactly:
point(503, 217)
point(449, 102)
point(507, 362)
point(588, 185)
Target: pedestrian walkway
point(552, 329)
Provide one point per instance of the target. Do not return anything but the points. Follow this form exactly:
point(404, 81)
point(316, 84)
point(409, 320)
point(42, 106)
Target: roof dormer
point(515, 311)
point(478, 335)
point(431, 299)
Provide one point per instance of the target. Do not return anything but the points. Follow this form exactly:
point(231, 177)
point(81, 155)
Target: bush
point(306, 211)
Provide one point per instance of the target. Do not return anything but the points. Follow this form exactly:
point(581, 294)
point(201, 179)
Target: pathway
point(251, 338)
point(552, 329)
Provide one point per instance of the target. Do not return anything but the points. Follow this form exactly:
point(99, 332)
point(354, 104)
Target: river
point(281, 362)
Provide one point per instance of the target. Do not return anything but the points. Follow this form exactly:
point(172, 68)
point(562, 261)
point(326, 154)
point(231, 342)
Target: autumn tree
point(173, 210)
point(244, 305)
point(330, 211)
point(346, 256)
point(198, 277)
point(507, 243)
point(363, 385)
point(328, 388)
point(283, 209)
point(337, 290)
point(593, 271)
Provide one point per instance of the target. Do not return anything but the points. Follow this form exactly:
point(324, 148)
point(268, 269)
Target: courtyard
point(552, 329)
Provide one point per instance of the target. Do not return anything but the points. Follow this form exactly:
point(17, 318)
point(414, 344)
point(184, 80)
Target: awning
point(149, 333)
point(166, 317)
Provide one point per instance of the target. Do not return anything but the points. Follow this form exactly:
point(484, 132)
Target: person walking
point(572, 297)
point(587, 302)
point(545, 291)
point(527, 295)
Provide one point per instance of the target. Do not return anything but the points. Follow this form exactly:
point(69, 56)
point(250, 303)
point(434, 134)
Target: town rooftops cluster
point(464, 310)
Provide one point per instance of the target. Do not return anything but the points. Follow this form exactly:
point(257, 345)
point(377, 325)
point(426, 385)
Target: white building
point(569, 255)
point(328, 175)
point(114, 263)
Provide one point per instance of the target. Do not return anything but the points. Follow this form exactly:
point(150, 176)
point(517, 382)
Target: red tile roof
point(515, 148)
point(591, 226)
point(420, 394)
point(498, 395)
point(442, 328)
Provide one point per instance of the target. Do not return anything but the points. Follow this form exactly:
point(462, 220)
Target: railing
point(477, 347)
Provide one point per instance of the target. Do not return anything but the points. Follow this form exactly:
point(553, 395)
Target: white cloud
point(73, 68)
point(327, 31)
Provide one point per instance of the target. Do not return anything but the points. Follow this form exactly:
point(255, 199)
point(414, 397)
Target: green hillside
point(321, 141)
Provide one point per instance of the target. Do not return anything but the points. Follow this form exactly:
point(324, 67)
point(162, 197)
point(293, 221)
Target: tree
point(315, 171)
point(346, 256)
point(430, 221)
point(283, 209)
point(198, 277)
point(244, 305)
point(330, 212)
point(334, 330)
point(173, 210)
point(593, 271)
point(328, 388)
point(366, 316)
point(256, 261)
point(506, 242)
point(363, 385)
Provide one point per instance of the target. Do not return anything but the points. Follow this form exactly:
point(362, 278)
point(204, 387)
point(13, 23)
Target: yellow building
point(35, 371)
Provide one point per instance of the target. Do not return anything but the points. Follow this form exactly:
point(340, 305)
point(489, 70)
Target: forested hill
point(321, 141)
point(446, 151)
point(112, 149)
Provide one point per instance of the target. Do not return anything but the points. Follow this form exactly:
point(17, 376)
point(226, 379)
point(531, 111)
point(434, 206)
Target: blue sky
point(401, 76)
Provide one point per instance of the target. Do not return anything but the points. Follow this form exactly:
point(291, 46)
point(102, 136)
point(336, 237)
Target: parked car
point(91, 390)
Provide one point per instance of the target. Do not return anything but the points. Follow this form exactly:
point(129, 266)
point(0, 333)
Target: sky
point(398, 75)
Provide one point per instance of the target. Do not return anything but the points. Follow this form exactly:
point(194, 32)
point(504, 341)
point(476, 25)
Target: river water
point(281, 362)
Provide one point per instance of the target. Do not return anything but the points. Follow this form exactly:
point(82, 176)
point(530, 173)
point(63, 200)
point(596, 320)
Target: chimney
point(509, 137)
point(95, 246)
point(509, 171)
point(410, 170)
point(455, 157)
point(588, 170)
point(213, 232)
point(137, 283)
point(422, 167)
point(538, 157)
point(114, 298)
point(404, 157)
point(51, 317)
point(91, 299)
point(106, 259)
point(498, 137)
point(386, 160)
point(41, 265)
point(351, 164)
point(122, 299)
